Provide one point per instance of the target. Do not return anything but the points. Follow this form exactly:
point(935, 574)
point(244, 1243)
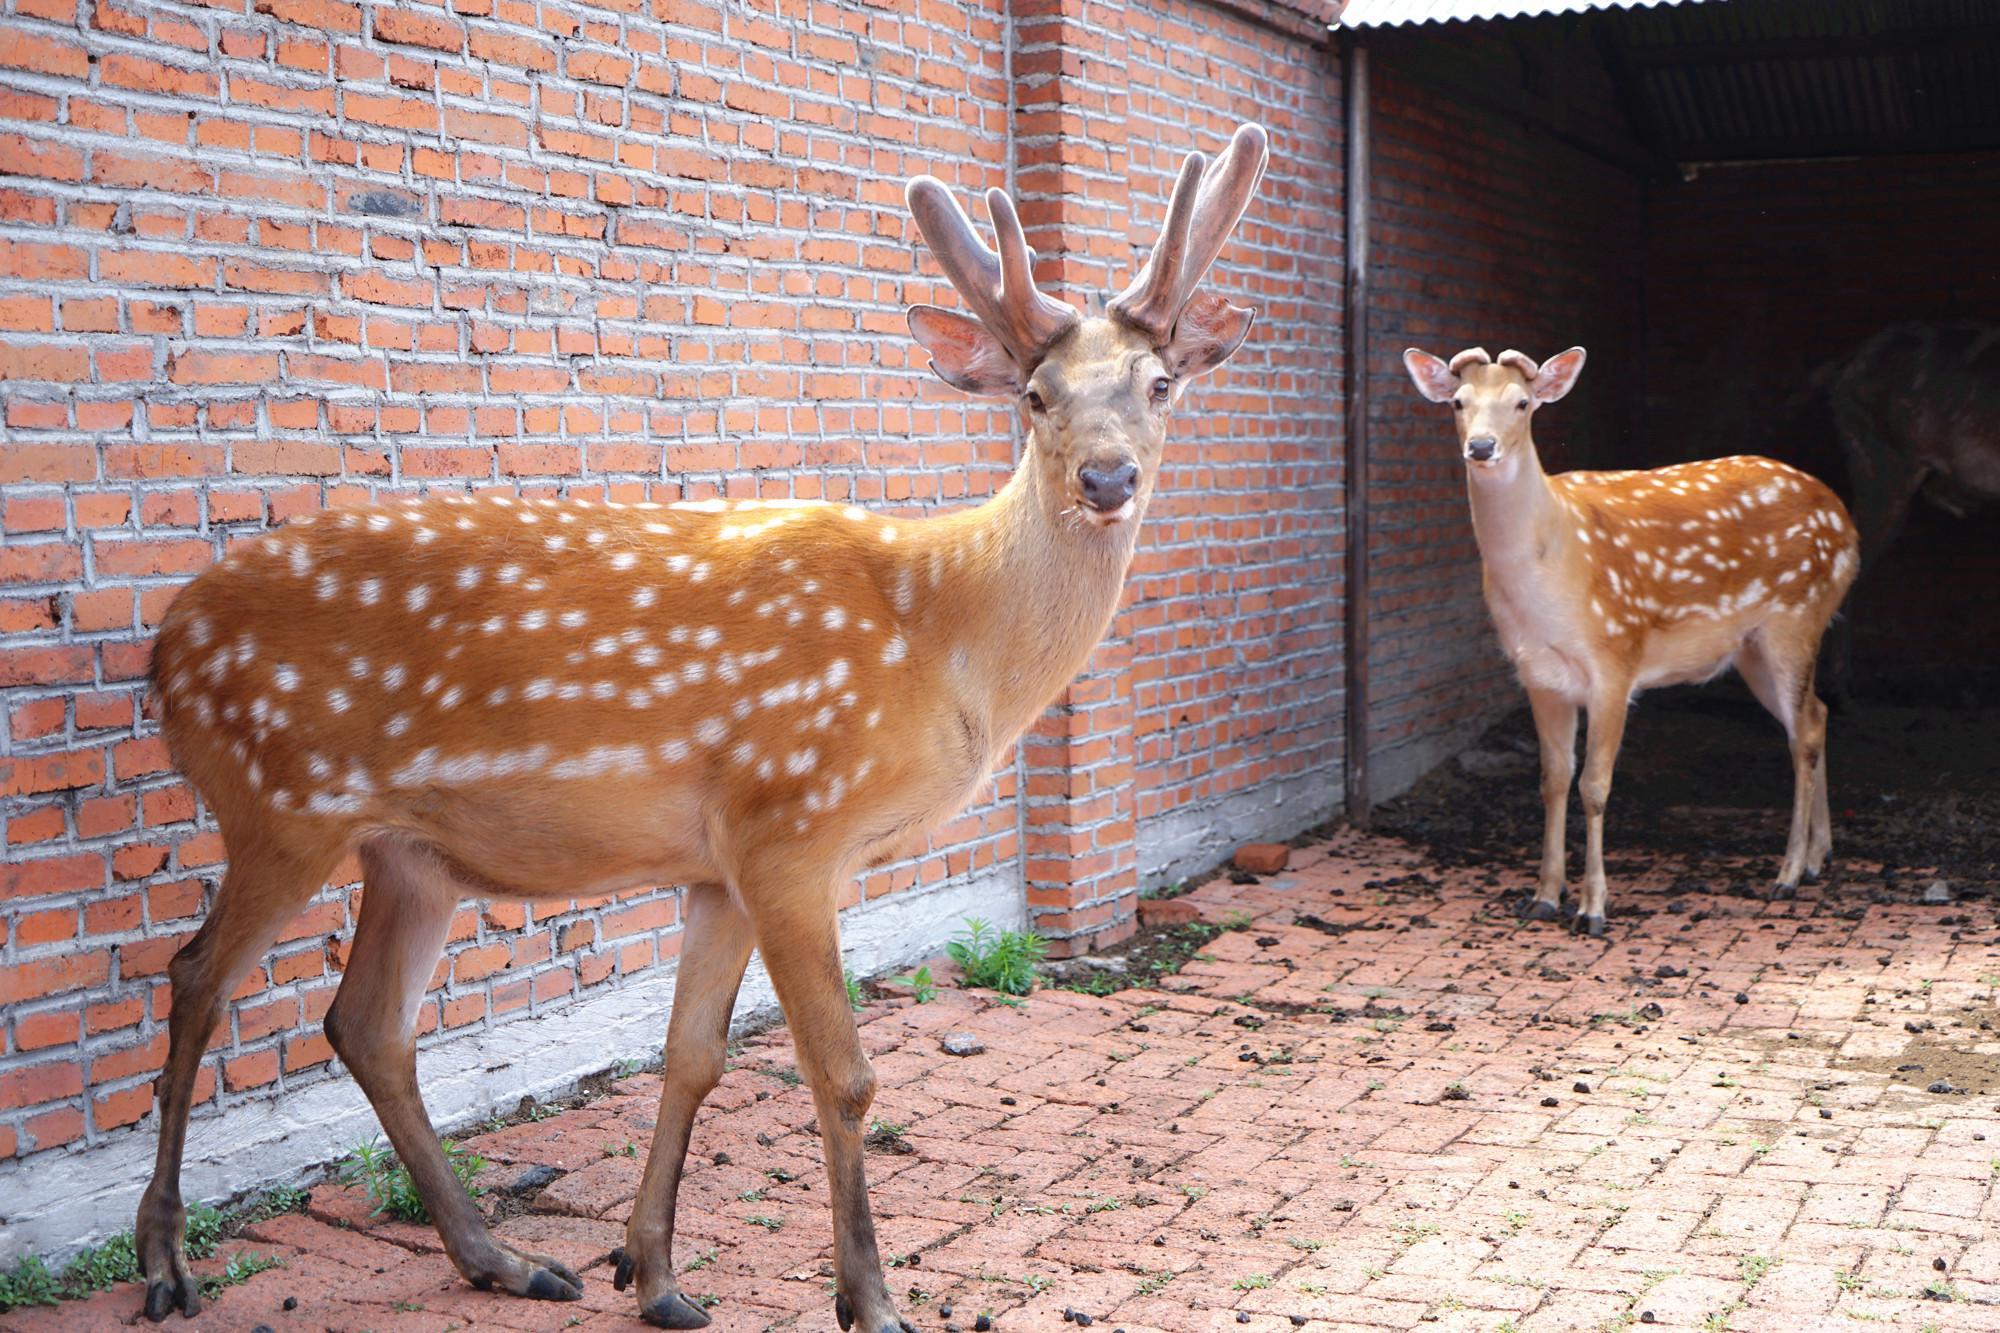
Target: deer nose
point(1480, 449)
point(1107, 489)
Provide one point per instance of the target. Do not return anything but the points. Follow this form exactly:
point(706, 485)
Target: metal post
point(1354, 84)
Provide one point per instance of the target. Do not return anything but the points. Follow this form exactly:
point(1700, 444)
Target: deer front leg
point(407, 903)
point(1555, 726)
point(260, 891)
point(714, 951)
point(800, 942)
point(1607, 729)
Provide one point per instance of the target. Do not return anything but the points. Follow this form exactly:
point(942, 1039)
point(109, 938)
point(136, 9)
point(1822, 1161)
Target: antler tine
point(1154, 300)
point(1151, 302)
point(998, 288)
point(1035, 320)
point(972, 268)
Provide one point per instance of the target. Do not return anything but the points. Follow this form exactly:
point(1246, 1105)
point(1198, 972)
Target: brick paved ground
point(1405, 1112)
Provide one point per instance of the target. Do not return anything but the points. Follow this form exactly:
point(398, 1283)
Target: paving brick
point(1155, 1180)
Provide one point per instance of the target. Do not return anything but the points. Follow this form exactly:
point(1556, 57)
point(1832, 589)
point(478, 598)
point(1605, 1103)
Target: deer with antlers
point(531, 699)
point(1602, 584)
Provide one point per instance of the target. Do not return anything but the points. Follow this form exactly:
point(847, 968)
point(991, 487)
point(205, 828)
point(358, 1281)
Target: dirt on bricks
point(1408, 1112)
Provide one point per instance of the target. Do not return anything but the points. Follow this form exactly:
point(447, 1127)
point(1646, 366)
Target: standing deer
point(1602, 584)
point(1916, 410)
point(527, 699)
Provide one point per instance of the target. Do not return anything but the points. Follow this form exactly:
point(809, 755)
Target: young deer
point(1604, 583)
point(509, 698)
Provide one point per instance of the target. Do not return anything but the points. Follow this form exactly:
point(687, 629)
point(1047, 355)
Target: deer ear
point(1207, 334)
point(1557, 376)
point(1433, 378)
point(963, 354)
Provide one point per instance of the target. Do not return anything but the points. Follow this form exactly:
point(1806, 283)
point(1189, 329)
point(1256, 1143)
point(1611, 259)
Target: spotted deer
point(1602, 584)
point(530, 699)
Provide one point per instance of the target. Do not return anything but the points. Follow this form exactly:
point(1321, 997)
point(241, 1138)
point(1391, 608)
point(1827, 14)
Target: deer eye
point(1033, 398)
point(1521, 406)
point(1458, 404)
point(1162, 388)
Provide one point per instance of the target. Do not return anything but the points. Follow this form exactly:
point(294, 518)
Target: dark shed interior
point(1723, 201)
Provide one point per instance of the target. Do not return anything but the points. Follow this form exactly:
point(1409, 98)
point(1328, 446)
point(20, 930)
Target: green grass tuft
point(1007, 961)
point(391, 1193)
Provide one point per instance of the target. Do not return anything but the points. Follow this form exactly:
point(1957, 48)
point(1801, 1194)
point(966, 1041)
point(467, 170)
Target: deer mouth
point(1110, 518)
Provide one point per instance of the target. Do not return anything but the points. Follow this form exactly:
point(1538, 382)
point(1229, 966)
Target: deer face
point(1094, 393)
point(1493, 402)
point(1096, 412)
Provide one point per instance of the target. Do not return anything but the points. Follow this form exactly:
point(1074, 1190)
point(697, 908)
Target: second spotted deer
point(530, 699)
point(1602, 584)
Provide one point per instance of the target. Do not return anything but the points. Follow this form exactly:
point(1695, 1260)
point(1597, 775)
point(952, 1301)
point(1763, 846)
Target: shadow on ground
point(1915, 791)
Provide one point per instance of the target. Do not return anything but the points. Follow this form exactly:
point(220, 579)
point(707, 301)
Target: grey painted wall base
point(1393, 772)
point(69, 1200)
point(1198, 836)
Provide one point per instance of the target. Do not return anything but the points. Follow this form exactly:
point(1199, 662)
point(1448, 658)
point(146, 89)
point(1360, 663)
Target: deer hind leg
point(799, 939)
point(1607, 730)
point(1555, 725)
point(407, 903)
point(1819, 838)
point(264, 887)
point(713, 956)
point(1782, 680)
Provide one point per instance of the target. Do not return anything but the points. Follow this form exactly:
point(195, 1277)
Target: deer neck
point(1021, 596)
point(1516, 517)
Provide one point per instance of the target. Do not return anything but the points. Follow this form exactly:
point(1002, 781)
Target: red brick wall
point(260, 259)
point(1757, 275)
point(1486, 233)
point(1234, 605)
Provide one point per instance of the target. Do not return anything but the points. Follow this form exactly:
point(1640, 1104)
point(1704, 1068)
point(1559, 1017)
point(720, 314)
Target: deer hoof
point(165, 1295)
point(1540, 909)
point(554, 1283)
point(1592, 925)
point(1783, 892)
point(674, 1310)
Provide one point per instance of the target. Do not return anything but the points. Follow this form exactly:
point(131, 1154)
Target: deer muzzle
point(1107, 488)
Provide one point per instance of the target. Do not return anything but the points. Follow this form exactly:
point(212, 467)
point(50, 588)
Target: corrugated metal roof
point(1745, 80)
point(1760, 79)
point(1400, 13)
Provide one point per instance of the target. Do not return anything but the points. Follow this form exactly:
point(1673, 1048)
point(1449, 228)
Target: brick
point(51, 772)
point(1262, 858)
